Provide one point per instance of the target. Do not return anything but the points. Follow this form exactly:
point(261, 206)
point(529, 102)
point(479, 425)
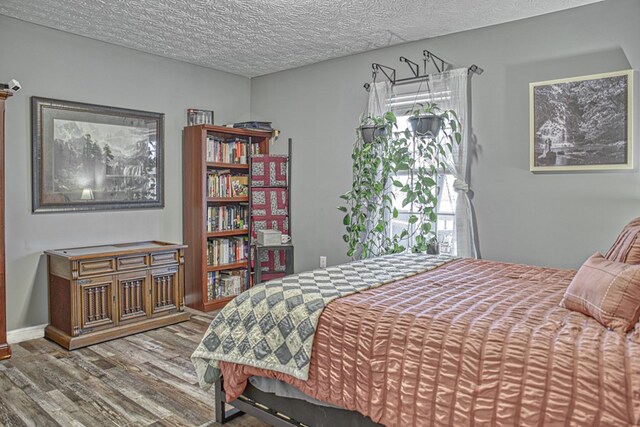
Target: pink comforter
point(470, 343)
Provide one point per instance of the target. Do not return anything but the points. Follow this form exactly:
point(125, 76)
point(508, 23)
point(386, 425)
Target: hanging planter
point(426, 124)
point(377, 194)
point(371, 132)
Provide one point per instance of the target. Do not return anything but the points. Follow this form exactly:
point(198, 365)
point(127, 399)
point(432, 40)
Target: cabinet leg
point(5, 351)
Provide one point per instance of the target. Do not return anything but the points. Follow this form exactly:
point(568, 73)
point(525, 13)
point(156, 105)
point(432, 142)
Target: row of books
point(223, 184)
point(234, 150)
point(227, 250)
point(223, 218)
point(221, 284)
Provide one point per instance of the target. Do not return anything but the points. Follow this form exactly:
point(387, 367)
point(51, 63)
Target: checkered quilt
point(272, 325)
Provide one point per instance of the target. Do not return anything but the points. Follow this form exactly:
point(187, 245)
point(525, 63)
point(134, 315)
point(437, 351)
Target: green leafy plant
point(369, 205)
point(425, 109)
point(369, 120)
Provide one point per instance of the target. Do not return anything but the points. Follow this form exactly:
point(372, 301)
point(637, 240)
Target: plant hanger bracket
point(427, 56)
point(389, 73)
point(415, 68)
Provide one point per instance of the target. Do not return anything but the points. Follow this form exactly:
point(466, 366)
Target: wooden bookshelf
point(229, 233)
point(196, 202)
point(220, 165)
point(216, 304)
point(228, 199)
point(232, 266)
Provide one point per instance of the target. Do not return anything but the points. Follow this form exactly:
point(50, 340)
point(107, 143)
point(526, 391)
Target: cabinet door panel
point(96, 304)
point(132, 296)
point(165, 293)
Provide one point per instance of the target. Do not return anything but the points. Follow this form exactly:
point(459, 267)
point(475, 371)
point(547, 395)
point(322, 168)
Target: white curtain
point(457, 82)
point(378, 98)
point(449, 90)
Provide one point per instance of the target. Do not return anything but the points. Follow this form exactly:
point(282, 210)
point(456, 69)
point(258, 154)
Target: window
point(444, 227)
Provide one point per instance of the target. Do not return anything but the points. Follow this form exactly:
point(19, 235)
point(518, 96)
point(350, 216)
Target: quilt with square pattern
point(272, 325)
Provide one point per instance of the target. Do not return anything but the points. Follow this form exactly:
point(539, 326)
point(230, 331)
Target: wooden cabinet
point(105, 292)
point(203, 276)
point(5, 350)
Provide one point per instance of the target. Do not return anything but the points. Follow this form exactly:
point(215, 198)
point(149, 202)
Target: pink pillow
point(608, 291)
point(627, 246)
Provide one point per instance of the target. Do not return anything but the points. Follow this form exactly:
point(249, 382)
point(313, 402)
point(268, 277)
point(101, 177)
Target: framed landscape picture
point(582, 123)
point(93, 157)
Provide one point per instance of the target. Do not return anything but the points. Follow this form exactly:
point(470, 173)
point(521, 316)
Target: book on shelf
point(239, 185)
point(221, 251)
point(222, 183)
point(222, 284)
point(232, 150)
point(226, 218)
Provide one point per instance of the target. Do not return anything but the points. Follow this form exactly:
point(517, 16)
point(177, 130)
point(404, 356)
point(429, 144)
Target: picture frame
point(197, 116)
point(582, 123)
point(88, 157)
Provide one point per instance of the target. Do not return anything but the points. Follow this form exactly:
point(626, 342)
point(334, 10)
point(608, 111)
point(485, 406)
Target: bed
point(467, 342)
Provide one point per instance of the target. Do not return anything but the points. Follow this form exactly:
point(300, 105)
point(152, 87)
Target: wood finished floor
point(142, 380)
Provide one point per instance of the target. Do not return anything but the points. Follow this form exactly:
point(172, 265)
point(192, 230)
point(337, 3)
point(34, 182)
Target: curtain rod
point(427, 56)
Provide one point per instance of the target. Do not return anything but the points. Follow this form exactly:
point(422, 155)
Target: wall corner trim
point(25, 334)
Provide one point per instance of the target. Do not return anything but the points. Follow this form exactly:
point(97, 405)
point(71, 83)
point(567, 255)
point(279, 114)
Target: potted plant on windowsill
point(427, 120)
point(432, 246)
point(372, 128)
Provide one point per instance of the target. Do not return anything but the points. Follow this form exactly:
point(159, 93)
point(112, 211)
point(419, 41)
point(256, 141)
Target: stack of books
point(221, 284)
point(233, 150)
point(223, 184)
point(223, 218)
point(265, 126)
point(227, 251)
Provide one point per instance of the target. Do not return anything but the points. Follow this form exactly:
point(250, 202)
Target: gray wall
point(59, 65)
point(545, 219)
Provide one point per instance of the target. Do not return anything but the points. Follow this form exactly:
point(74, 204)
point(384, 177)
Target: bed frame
point(284, 412)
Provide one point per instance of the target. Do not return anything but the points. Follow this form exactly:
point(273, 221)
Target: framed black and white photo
point(93, 157)
point(582, 123)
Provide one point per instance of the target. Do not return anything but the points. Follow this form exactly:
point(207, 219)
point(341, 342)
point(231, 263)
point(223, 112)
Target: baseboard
point(25, 334)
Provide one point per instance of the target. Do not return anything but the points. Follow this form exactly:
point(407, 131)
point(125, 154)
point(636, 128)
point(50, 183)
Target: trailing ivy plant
point(369, 205)
point(370, 120)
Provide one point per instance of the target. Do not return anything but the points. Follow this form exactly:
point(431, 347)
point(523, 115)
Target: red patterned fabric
point(271, 261)
point(273, 222)
point(268, 202)
point(270, 276)
point(269, 170)
point(270, 206)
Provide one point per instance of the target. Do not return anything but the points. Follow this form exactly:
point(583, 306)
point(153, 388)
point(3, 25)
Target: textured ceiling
point(255, 37)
